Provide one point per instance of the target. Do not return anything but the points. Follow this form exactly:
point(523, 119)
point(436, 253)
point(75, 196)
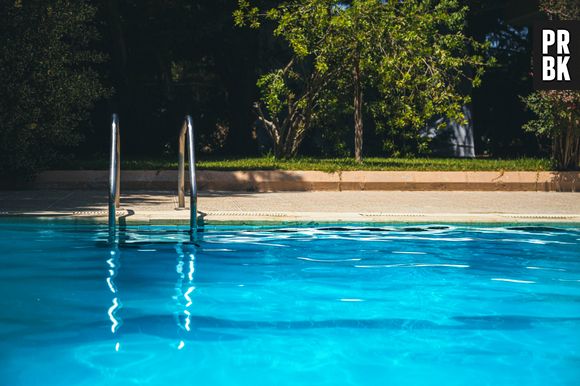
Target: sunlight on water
point(325, 305)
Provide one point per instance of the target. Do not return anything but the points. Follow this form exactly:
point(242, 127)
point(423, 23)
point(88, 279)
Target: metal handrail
point(114, 172)
point(187, 130)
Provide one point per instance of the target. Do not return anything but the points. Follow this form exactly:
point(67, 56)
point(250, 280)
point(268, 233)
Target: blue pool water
point(334, 305)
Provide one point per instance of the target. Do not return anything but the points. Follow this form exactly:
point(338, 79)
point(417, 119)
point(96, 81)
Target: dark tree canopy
point(66, 65)
point(47, 78)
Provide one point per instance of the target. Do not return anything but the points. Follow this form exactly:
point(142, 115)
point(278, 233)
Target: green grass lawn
point(328, 164)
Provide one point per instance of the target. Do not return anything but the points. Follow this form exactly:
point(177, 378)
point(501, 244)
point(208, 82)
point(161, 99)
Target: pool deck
point(290, 207)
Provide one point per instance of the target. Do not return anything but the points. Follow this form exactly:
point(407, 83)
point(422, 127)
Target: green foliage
point(547, 117)
point(326, 164)
point(558, 118)
point(413, 56)
point(47, 81)
point(561, 9)
point(275, 91)
point(423, 60)
point(293, 96)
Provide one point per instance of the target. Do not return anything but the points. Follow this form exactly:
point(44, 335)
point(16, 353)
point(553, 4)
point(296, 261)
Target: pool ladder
point(115, 174)
point(187, 133)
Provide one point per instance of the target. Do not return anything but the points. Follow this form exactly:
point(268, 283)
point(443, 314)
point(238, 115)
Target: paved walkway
point(239, 207)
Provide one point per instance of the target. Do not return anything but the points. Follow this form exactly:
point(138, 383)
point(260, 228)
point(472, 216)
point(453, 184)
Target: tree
point(292, 99)
point(291, 95)
point(47, 80)
point(558, 112)
point(412, 54)
point(558, 118)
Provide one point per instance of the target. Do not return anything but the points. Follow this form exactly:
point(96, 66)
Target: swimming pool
point(324, 305)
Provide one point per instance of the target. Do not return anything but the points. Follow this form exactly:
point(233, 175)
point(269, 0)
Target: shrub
point(47, 80)
point(558, 118)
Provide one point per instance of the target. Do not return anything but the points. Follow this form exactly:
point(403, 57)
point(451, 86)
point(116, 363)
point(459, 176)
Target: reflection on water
point(185, 285)
point(114, 263)
point(334, 305)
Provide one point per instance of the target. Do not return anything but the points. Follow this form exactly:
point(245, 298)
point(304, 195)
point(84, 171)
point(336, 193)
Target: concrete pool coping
point(281, 180)
point(301, 207)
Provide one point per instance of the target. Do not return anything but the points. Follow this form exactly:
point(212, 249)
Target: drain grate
point(546, 216)
point(380, 214)
point(249, 214)
point(93, 213)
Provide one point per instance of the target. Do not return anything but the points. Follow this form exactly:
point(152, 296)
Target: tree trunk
point(358, 123)
point(566, 148)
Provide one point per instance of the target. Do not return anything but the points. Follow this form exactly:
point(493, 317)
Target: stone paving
point(349, 206)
